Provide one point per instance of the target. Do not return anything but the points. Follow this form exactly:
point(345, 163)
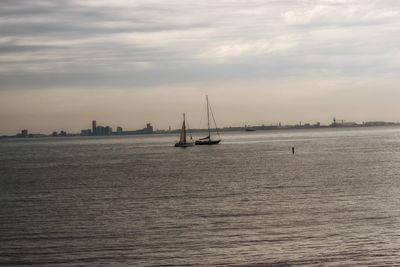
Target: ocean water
point(139, 201)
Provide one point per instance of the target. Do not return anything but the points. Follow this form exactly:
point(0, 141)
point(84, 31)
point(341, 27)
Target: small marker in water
point(292, 149)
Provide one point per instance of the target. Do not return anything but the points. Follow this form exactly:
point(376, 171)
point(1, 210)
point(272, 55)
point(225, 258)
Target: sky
point(126, 63)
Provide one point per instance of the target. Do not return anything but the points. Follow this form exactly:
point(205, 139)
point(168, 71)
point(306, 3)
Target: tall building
point(100, 130)
point(94, 128)
point(107, 130)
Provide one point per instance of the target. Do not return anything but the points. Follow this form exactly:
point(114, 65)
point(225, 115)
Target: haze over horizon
point(125, 63)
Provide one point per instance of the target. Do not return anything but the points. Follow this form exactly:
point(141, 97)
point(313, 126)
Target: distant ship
point(207, 140)
point(249, 130)
point(182, 141)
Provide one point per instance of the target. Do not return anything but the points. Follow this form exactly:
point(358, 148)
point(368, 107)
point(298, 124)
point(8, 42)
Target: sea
point(139, 201)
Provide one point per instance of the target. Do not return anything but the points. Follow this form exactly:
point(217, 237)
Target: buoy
point(292, 149)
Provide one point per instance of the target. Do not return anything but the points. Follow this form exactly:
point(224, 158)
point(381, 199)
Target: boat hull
point(207, 142)
point(184, 144)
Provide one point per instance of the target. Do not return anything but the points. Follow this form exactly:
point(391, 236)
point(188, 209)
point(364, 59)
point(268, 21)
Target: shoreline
point(224, 129)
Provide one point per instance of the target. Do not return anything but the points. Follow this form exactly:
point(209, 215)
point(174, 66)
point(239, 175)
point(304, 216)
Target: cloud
point(154, 42)
point(341, 13)
point(266, 48)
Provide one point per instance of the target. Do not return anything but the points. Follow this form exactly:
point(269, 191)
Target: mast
point(208, 119)
point(184, 128)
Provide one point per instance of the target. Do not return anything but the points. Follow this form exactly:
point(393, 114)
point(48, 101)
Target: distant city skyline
point(97, 130)
point(125, 63)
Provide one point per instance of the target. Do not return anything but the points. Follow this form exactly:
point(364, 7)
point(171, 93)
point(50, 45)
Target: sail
point(182, 141)
point(183, 132)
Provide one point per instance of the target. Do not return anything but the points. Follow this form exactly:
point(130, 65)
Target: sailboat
point(182, 141)
point(207, 140)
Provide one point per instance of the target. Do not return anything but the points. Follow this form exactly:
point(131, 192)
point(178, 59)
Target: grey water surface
point(139, 201)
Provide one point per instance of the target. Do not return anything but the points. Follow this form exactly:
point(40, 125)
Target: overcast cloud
point(115, 45)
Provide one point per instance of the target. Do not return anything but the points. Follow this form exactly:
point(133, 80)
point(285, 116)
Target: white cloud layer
point(54, 42)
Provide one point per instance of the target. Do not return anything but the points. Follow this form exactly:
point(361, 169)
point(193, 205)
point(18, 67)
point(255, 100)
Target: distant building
point(94, 128)
point(119, 130)
point(97, 130)
point(107, 130)
point(378, 123)
point(100, 130)
point(349, 124)
point(24, 133)
point(148, 129)
point(86, 132)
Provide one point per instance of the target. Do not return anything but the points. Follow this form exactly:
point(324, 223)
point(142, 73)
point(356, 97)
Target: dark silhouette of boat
point(249, 130)
point(182, 141)
point(208, 140)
